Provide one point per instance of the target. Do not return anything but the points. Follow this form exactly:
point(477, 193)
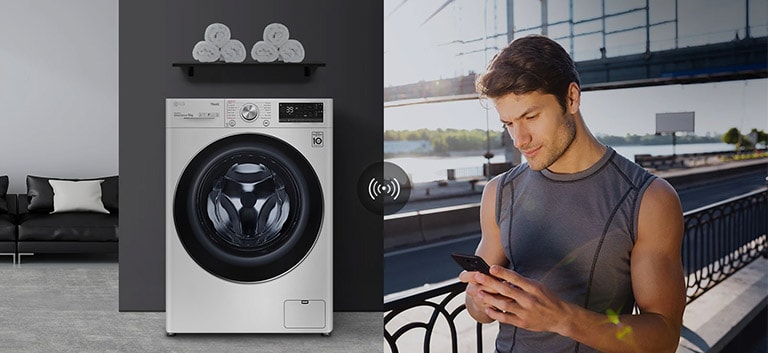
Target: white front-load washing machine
point(249, 215)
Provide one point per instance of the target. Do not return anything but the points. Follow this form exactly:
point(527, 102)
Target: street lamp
point(488, 154)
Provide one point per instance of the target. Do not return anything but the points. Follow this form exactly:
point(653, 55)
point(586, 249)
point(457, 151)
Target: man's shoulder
point(619, 159)
point(512, 173)
point(634, 173)
point(503, 181)
point(662, 192)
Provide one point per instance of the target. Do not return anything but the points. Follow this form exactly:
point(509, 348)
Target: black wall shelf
point(190, 68)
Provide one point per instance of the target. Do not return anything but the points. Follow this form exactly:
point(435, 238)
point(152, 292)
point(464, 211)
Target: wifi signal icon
point(390, 188)
point(383, 188)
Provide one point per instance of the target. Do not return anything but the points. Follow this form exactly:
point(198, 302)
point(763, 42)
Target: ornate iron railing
point(719, 239)
point(722, 238)
point(438, 299)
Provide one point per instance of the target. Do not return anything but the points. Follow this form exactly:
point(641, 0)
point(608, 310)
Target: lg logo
point(317, 139)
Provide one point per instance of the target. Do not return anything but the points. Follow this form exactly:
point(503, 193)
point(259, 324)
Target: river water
point(425, 169)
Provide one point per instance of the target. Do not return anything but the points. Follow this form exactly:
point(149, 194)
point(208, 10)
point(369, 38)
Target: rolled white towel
point(292, 51)
point(276, 34)
point(206, 52)
point(264, 52)
point(233, 51)
point(218, 34)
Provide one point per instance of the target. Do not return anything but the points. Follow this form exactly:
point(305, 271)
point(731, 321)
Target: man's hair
point(529, 64)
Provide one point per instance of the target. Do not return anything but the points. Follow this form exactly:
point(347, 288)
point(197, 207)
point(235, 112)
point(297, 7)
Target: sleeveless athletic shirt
point(573, 233)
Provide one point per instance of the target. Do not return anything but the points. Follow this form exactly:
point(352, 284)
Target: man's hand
point(519, 301)
point(476, 289)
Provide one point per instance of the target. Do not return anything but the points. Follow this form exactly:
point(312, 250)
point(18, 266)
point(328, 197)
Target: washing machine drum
point(248, 208)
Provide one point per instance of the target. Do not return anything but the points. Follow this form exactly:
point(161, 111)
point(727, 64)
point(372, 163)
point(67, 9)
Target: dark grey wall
point(346, 35)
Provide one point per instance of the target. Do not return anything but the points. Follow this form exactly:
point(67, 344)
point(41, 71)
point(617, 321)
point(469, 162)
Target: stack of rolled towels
point(219, 46)
point(277, 46)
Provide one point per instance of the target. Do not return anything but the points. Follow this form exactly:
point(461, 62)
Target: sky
point(450, 44)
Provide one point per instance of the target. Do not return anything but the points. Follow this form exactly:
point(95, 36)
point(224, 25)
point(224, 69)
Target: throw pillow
point(77, 196)
point(3, 191)
point(109, 193)
point(40, 194)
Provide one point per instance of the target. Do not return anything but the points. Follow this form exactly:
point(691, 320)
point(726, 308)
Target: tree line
point(745, 141)
point(448, 140)
point(652, 139)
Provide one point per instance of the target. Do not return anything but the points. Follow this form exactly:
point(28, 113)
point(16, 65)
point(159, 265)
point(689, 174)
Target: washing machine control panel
point(245, 113)
point(266, 113)
point(194, 110)
point(249, 113)
point(297, 112)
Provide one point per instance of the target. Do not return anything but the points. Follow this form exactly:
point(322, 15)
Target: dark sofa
point(40, 231)
point(8, 225)
point(7, 220)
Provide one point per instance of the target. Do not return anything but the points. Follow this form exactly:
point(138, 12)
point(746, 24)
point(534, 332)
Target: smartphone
point(472, 263)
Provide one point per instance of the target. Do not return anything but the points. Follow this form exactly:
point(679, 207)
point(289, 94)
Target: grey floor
point(70, 304)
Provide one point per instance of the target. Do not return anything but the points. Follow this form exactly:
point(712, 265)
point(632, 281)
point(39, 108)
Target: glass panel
point(663, 37)
point(528, 14)
point(588, 27)
point(562, 30)
point(587, 47)
point(625, 21)
point(248, 205)
point(587, 9)
point(758, 21)
point(625, 43)
point(709, 21)
point(661, 10)
point(612, 7)
point(558, 10)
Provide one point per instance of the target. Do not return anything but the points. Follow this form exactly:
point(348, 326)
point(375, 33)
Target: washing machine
point(249, 216)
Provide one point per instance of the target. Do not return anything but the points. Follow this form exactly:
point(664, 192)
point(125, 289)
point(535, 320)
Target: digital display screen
point(300, 113)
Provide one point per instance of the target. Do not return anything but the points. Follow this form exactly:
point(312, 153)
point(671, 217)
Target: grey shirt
point(574, 233)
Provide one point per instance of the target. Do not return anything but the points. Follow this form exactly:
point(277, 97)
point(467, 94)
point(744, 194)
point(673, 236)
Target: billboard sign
point(674, 122)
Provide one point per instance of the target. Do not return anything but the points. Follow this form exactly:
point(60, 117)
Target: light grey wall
point(58, 89)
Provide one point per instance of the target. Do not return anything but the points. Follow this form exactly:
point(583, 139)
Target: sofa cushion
point(7, 228)
point(71, 226)
point(3, 191)
point(40, 193)
point(77, 196)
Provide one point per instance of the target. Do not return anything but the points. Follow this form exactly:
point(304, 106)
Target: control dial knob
point(249, 112)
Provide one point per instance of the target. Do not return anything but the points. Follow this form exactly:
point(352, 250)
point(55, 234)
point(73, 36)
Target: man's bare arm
point(490, 249)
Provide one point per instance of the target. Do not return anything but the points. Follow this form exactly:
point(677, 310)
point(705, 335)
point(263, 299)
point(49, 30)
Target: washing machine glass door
point(248, 208)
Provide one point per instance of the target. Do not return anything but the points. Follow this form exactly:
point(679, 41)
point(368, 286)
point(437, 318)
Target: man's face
point(538, 126)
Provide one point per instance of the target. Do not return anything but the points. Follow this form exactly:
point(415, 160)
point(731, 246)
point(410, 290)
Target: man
point(577, 236)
